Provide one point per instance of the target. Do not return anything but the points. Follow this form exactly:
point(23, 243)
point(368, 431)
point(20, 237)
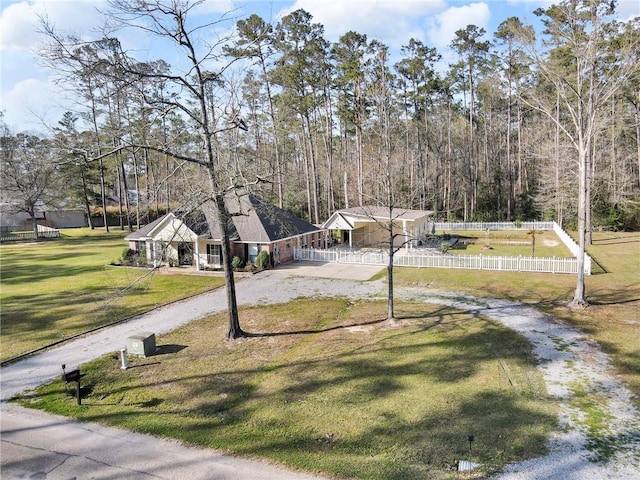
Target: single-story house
point(367, 226)
point(256, 225)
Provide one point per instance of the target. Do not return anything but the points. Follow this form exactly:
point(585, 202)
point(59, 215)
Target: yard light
point(470, 438)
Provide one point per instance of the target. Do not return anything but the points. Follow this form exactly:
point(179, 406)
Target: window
point(214, 254)
point(252, 251)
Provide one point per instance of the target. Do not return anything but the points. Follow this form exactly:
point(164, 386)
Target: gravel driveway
point(567, 359)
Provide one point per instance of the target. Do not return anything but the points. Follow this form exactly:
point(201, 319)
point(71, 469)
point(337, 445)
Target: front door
point(185, 254)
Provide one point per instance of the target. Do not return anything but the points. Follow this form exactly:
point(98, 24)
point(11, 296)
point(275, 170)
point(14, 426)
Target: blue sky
point(29, 99)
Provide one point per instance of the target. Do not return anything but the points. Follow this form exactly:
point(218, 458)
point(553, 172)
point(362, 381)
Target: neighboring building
point(256, 225)
point(55, 218)
point(366, 226)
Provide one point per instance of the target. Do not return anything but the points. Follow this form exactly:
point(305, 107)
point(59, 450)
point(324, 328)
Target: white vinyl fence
point(453, 226)
point(469, 262)
point(427, 259)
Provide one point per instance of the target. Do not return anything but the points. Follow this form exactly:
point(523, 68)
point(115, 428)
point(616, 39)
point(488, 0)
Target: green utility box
point(142, 344)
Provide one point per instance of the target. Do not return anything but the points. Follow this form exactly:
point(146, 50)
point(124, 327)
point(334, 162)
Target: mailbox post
point(73, 376)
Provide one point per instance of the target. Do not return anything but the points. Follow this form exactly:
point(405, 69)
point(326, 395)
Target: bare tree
point(578, 66)
point(198, 91)
point(201, 97)
point(27, 173)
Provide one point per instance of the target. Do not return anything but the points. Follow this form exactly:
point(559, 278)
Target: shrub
point(616, 219)
point(236, 262)
point(262, 260)
point(444, 247)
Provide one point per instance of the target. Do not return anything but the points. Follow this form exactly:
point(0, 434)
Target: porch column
point(197, 252)
point(153, 254)
point(406, 235)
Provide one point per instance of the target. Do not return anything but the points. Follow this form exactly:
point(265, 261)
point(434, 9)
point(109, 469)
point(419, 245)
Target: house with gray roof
point(195, 238)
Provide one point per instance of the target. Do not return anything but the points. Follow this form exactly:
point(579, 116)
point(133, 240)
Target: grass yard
point(613, 319)
point(330, 387)
point(54, 289)
point(327, 386)
point(509, 244)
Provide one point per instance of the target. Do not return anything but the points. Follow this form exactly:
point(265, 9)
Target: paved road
point(37, 445)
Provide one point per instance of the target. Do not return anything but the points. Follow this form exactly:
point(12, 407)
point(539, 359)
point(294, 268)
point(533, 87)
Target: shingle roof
point(258, 221)
point(143, 232)
point(253, 221)
point(383, 212)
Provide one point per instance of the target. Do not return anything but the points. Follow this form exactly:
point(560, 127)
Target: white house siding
point(176, 232)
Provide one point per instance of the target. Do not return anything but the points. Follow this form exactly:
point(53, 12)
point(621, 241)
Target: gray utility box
point(142, 344)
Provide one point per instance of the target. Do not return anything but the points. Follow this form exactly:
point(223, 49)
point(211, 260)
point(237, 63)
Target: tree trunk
point(223, 217)
point(86, 199)
point(34, 224)
point(579, 297)
point(390, 306)
point(103, 196)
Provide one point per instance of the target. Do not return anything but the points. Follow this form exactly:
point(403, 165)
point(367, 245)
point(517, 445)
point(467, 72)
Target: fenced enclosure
point(21, 234)
point(433, 259)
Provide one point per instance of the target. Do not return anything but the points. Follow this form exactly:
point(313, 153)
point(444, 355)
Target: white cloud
point(627, 9)
point(29, 105)
point(445, 24)
point(18, 26)
point(20, 22)
point(393, 22)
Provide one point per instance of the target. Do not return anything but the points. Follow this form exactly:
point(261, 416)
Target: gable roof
point(343, 219)
point(258, 221)
point(143, 232)
point(252, 221)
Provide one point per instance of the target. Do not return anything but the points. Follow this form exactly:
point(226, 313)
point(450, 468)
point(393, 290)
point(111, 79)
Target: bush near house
point(262, 260)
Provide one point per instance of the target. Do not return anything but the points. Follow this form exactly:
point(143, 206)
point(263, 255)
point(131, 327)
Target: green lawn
point(509, 244)
point(357, 399)
point(54, 289)
point(613, 319)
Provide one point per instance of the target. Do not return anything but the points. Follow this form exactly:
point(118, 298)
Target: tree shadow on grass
point(261, 410)
point(438, 315)
point(315, 331)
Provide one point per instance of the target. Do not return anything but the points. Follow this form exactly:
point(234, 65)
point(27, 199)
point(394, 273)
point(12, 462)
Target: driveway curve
point(39, 445)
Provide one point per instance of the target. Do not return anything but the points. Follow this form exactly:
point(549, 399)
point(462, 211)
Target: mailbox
point(72, 376)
